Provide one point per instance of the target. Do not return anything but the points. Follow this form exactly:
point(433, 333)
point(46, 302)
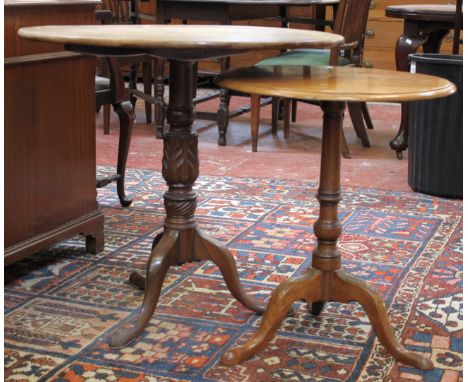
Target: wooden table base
point(325, 281)
point(182, 241)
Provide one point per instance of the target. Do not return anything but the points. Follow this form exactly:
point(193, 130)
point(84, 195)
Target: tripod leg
point(162, 257)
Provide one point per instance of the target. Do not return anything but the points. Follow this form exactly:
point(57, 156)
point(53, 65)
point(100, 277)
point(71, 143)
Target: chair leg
point(195, 79)
point(254, 120)
point(367, 118)
point(274, 115)
point(159, 112)
point(355, 113)
point(344, 146)
point(222, 116)
point(126, 116)
point(294, 110)
point(147, 89)
point(106, 116)
point(286, 116)
point(132, 83)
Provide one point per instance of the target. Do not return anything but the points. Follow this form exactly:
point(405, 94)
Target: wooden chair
point(121, 14)
point(351, 20)
point(110, 90)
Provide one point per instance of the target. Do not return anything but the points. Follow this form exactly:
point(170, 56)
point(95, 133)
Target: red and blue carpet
point(62, 304)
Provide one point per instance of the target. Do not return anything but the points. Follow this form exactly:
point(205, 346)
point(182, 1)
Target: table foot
point(175, 247)
point(317, 287)
point(348, 288)
point(400, 142)
point(316, 308)
point(207, 248)
point(304, 287)
point(162, 257)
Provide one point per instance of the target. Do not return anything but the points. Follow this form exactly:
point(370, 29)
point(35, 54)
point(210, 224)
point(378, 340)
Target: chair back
point(350, 22)
point(121, 9)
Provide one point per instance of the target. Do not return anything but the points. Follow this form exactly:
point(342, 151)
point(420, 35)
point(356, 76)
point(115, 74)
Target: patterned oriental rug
point(62, 304)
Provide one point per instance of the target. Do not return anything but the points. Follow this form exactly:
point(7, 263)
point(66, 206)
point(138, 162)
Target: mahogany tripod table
point(182, 45)
point(325, 281)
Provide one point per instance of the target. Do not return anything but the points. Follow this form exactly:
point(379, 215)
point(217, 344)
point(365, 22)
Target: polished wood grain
point(50, 165)
point(262, 2)
point(425, 12)
point(325, 280)
point(48, 3)
point(189, 42)
point(20, 14)
point(335, 83)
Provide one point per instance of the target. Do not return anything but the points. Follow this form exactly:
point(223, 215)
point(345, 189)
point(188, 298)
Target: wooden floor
point(294, 158)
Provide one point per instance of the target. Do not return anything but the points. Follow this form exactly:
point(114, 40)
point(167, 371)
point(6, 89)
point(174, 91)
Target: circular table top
point(265, 2)
point(327, 83)
point(186, 42)
point(424, 12)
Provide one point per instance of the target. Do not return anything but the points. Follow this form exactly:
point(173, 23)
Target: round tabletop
point(267, 2)
point(184, 42)
point(423, 12)
point(335, 83)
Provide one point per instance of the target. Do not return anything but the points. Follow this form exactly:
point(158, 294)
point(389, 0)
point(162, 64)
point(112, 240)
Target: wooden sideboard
point(49, 132)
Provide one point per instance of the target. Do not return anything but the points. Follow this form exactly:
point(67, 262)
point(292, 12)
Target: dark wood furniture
point(112, 91)
point(425, 25)
point(49, 132)
point(125, 12)
point(182, 240)
point(457, 27)
point(325, 281)
point(225, 12)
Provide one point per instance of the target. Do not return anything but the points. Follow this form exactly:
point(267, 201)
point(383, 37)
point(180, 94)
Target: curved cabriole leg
point(406, 44)
point(348, 289)
point(126, 116)
point(207, 248)
point(162, 257)
point(305, 287)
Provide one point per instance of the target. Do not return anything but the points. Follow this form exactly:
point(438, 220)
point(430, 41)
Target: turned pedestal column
point(325, 280)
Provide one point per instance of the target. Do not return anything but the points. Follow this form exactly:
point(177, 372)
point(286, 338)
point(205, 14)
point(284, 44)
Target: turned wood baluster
point(180, 159)
point(159, 111)
point(181, 240)
point(316, 285)
point(325, 281)
point(327, 228)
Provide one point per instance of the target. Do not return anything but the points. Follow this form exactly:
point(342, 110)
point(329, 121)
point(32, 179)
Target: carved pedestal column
point(182, 241)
